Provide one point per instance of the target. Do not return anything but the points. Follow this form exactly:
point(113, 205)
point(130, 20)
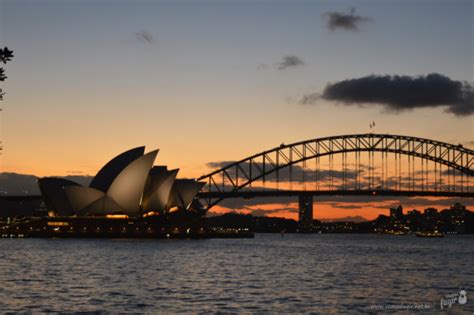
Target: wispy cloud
point(144, 37)
point(310, 98)
point(346, 21)
point(290, 61)
point(262, 66)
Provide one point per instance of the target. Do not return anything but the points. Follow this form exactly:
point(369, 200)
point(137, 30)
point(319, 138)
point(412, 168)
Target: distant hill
point(253, 223)
point(22, 184)
point(14, 184)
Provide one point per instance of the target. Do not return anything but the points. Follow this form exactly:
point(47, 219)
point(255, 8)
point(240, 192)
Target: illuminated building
point(305, 212)
point(127, 186)
point(396, 213)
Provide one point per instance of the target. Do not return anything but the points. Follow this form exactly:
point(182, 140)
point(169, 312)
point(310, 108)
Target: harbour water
point(291, 274)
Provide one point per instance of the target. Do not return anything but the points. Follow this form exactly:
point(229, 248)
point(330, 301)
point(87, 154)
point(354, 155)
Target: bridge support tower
point(305, 212)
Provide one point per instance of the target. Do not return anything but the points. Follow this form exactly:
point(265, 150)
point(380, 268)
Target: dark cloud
point(262, 213)
point(423, 203)
point(265, 212)
point(298, 172)
point(346, 21)
point(144, 37)
point(290, 61)
point(219, 164)
point(345, 206)
point(357, 201)
point(400, 93)
point(238, 203)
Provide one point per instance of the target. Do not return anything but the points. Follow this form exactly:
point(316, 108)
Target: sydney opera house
point(129, 197)
point(128, 185)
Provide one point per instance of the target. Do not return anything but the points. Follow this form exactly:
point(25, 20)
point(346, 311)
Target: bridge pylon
point(305, 212)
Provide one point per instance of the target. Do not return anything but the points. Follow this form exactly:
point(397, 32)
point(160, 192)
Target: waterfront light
point(116, 216)
point(57, 223)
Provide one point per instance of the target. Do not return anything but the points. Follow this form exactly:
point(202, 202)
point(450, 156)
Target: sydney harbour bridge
point(358, 164)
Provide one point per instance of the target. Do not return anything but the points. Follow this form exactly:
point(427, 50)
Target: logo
point(450, 299)
point(462, 299)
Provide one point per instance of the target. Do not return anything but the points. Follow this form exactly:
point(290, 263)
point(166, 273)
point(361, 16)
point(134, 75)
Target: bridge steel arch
point(238, 175)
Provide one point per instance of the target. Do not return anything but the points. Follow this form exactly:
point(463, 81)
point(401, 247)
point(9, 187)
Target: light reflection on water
point(296, 273)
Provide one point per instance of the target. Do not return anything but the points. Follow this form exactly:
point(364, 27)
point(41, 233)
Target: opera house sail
point(183, 192)
point(54, 196)
point(128, 185)
point(158, 188)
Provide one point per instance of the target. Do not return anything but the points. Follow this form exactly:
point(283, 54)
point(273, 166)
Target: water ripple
point(329, 274)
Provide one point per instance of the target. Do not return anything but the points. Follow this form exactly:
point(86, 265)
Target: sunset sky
point(210, 81)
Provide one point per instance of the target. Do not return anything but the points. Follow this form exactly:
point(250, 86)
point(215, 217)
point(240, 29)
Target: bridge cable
point(383, 171)
point(291, 168)
point(304, 167)
point(399, 171)
point(317, 172)
point(343, 164)
point(278, 170)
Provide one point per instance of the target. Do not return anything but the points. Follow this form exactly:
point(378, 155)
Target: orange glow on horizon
point(330, 210)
